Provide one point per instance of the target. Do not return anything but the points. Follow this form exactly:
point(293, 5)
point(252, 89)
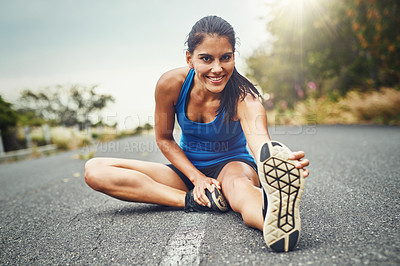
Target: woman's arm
point(253, 119)
point(166, 96)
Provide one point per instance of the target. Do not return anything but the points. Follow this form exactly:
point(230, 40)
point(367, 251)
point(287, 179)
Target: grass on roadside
point(374, 107)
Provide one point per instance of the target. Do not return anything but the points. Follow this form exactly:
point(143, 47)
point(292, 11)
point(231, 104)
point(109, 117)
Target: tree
point(8, 121)
point(68, 106)
point(328, 47)
point(147, 127)
point(8, 116)
point(376, 27)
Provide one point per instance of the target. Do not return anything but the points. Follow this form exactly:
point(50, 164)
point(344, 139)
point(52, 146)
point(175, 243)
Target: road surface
point(350, 209)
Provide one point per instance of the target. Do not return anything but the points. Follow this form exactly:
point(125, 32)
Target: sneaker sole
point(218, 201)
point(283, 186)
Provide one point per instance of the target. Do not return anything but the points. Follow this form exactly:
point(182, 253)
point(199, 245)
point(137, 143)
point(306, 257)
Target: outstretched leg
point(283, 186)
point(241, 188)
point(138, 181)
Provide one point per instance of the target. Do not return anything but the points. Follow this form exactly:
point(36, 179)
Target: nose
point(216, 68)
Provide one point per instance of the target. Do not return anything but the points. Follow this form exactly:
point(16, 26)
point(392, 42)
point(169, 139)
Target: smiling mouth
point(216, 79)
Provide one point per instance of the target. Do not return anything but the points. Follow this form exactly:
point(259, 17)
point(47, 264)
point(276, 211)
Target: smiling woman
point(114, 44)
point(211, 55)
point(219, 113)
point(214, 68)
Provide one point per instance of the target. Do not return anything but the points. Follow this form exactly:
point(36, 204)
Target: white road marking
point(183, 246)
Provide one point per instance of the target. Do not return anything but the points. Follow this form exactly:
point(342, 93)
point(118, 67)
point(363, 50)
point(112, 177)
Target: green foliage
point(328, 48)
point(8, 117)
point(138, 130)
point(147, 127)
point(29, 118)
point(67, 106)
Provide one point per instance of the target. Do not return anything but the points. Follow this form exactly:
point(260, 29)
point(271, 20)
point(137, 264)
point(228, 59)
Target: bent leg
point(138, 181)
point(240, 186)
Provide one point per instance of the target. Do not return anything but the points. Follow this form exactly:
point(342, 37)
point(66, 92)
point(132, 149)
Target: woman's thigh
point(156, 171)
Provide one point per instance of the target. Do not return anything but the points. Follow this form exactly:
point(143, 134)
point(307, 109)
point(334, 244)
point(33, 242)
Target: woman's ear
point(189, 59)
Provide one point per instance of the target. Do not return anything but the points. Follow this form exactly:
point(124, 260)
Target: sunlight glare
point(296, 13)
point(298, 8)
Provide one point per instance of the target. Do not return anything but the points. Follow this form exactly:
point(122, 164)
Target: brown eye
point(226, 57)
point(206, 58)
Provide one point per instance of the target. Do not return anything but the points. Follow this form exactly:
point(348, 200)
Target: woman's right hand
point(200, 186)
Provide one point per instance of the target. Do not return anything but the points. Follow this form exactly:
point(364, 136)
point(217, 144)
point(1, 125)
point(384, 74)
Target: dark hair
point(238, 86)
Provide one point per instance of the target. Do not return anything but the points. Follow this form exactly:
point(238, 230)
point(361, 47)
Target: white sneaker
point(283, 186)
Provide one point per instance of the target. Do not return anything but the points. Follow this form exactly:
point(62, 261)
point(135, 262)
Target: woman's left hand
point(301, 162)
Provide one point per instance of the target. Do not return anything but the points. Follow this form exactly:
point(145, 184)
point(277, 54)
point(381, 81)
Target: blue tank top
point(208, 144)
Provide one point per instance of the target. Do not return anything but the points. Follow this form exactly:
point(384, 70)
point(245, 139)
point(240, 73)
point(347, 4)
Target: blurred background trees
point(8, 116)
point(329, 62)
point(326, 49)
point(28, 120)
point(66, 106)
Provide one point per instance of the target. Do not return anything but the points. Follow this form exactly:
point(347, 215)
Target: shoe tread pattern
point(284, 185)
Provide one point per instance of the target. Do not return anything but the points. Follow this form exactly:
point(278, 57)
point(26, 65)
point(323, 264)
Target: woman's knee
point(93, 173)
point(234, 188)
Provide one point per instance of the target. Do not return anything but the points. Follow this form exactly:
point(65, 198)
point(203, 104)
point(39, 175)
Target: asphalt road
point(350, 209)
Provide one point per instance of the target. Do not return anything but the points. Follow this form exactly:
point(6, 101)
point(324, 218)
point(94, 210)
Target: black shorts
point(212, 171)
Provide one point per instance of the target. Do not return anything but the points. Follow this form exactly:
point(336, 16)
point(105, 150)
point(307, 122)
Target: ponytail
point(236, 89)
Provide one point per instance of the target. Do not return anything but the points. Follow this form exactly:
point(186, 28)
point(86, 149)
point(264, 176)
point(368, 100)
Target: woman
point(219, 113)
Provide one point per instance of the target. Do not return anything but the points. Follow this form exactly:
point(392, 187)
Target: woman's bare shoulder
point(172, 80)
point(169, 85)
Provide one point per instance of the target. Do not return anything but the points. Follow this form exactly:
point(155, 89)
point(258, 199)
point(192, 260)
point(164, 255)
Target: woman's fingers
point(297, 155)
point(210, 187)
point(199, 199)
point(200, 195)
point(216, 183)
point(302, 163)
point(199, 192)
point(305, 172)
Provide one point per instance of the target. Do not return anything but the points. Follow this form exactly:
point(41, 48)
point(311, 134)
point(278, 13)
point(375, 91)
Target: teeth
point(215, 79)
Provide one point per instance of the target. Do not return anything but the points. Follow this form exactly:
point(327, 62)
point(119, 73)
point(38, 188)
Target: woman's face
point(213, 61)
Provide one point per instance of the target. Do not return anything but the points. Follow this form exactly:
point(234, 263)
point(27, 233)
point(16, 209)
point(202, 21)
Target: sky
point(123, 46)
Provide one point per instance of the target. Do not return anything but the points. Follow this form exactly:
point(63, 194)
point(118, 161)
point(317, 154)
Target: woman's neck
point(203, 94)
